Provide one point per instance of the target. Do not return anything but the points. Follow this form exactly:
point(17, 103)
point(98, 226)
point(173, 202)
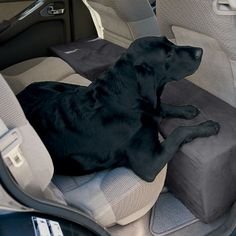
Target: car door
point(28, 28)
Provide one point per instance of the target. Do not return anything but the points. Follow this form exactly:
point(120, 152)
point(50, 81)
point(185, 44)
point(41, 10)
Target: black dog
point(114, 121)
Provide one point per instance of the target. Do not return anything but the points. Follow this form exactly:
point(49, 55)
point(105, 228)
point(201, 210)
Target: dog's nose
point(198, 53)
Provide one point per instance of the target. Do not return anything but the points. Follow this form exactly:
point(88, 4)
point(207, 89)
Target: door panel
point(30, 33)
point(38, 37)
point(11, 9)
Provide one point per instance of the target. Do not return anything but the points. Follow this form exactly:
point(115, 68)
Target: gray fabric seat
point(111, 197)
point(122, 21)
point(203, 173)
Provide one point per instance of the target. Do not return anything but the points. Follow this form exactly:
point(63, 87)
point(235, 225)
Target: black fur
point(114, 121)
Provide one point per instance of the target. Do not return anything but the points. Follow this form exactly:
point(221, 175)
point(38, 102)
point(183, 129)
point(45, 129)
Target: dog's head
point(157, 61)
point(164, 59)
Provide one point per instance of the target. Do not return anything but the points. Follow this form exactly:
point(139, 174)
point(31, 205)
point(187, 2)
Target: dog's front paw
point(210, 127)
point(190, 112)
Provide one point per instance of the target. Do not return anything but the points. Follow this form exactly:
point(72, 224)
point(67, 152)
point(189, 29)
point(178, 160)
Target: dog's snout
point(198, 53)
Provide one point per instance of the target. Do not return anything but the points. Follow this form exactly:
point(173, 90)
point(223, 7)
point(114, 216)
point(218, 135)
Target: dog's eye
point(148, 68)
point(144, 68)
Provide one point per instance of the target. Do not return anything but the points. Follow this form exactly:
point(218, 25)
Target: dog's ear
point(147, 82)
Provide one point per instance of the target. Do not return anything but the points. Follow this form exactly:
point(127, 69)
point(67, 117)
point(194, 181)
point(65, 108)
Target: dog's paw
point(210, 127)
point(190, 112)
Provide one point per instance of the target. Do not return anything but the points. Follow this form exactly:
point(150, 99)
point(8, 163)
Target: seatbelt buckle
point(9, 147)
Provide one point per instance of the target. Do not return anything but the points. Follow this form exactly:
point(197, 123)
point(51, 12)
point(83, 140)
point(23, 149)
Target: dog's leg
point(185, 112)
point(147, 160)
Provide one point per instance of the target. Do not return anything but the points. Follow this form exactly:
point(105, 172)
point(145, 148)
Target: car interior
point(74, 41)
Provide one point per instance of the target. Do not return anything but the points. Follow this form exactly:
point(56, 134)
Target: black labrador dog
point(114, 121)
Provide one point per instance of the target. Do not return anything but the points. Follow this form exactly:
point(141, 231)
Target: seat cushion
point(24, 73)
point(111, 197)
point(203, 173)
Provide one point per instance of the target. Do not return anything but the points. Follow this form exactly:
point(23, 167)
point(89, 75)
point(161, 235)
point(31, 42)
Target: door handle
point(224, 7)
point(231, 3)
point(52, 11)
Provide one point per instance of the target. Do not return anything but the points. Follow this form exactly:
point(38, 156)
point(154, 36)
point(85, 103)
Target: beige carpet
point(137, 228)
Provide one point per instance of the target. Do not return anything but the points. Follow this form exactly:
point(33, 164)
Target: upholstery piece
point(215, 72)
point(33, 149)
point(200, 26)
point(38, 69)
point(77, 80)
point(89, 57)
point(112, 196)
point(145, 27)
point(122, 21)
point(108, 24)
point(203, 173)
point(129, 11)
point(198, 16)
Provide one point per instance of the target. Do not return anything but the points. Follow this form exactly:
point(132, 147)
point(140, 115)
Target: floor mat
point(169, 215)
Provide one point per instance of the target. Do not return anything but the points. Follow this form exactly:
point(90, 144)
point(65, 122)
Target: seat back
point(37, 175)
point(209, 25)
point(122, 21)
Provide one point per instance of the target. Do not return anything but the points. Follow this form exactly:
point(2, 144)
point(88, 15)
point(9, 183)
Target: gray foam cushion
point(203, 173)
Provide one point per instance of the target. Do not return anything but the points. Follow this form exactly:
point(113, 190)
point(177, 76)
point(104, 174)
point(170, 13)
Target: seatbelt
point(10, 141)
